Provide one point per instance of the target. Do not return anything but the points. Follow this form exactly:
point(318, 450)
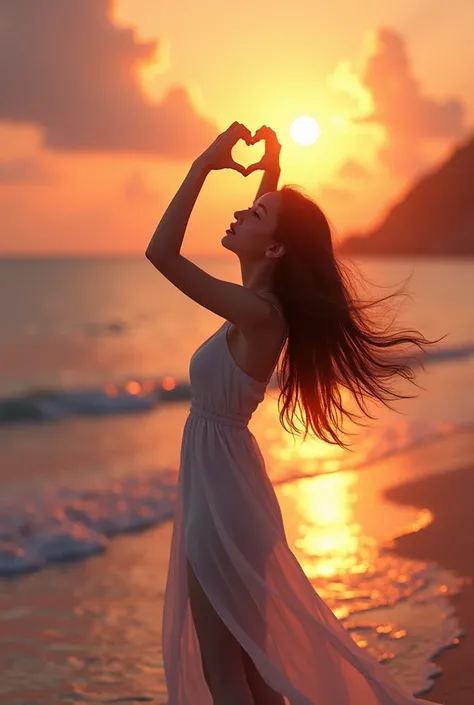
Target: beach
point(94, 394)
point(88, 631)
point(448, 540)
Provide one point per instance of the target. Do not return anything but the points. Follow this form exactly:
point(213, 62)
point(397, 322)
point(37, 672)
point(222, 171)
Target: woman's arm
point(270, 162)
point(232, 301)
point(269, 181)
point(168, 237)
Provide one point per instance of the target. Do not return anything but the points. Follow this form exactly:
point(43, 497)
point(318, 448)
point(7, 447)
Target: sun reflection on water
point(336, 526)
point(310, 457)
point(330, 539)
point(341, 529)
point(339, 558)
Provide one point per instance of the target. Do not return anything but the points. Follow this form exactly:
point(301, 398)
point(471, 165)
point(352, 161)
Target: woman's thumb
point(238, 167)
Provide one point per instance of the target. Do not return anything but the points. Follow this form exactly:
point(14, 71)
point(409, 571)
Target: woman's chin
point(225, 241)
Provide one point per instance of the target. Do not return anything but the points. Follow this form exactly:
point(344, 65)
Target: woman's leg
point(221, 653)
point(261, 691)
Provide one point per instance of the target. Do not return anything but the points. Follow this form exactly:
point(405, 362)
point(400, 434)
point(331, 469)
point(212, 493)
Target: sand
point(449, 541)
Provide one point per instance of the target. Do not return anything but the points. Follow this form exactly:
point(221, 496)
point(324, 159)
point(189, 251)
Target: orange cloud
point(24, 170)
point(136, 189)
point(389, 96)
point(66, 68)
point(353, 170)
point(409, 117)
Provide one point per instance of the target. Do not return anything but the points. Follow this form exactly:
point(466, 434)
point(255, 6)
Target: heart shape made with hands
point(245, 149)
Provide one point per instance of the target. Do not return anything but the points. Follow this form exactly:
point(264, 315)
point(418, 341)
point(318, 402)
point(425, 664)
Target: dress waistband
point(226, 418)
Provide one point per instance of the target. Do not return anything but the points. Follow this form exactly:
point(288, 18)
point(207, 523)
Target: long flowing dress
point(228, 524)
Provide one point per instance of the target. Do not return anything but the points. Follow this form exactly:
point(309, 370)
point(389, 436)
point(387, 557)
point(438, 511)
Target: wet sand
point(449, 541)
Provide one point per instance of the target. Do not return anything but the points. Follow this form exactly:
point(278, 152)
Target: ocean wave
point(395, 608)
point(135, 394)
point(447, 354)
point(385, 449)
point(67, 524)
point(111, 398)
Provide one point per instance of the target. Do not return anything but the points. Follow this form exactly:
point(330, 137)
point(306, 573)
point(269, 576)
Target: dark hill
point(436, 217)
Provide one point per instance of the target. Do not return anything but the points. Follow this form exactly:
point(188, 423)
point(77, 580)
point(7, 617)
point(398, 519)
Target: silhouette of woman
point(242, 624)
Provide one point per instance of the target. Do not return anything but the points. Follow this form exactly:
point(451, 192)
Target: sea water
point(94, 390)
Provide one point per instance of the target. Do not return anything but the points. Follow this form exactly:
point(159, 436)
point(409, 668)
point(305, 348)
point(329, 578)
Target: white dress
point(229, 525)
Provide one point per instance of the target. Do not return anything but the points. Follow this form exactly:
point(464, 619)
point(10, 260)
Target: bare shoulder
point(272, 299)
point(256, 348)
point(277, 320)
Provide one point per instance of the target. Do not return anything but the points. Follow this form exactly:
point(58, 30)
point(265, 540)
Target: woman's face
point(251, 235)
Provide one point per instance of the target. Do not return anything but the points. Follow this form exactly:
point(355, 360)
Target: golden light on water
point(168, 383)
point(148, 385)
point(311, 457)
point(334, 518)
point(305, 130)
point(133, 387)
point(111, 389)
point(330, 541)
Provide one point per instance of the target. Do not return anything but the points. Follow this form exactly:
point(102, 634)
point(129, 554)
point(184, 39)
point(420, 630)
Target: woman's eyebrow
point(260, 205)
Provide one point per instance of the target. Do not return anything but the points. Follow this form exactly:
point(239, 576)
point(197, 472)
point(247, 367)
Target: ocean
point(94, 392)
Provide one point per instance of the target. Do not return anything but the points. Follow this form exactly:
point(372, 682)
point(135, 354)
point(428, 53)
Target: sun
point(305, 130)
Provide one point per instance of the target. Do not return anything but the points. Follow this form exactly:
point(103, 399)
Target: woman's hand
point(271, 159)
point(219, 154)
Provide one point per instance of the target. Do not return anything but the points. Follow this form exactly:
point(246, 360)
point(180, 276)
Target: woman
point(242, 624)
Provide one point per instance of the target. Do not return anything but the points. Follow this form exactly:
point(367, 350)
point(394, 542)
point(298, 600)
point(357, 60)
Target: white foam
point(68, 524)
point(396, 608)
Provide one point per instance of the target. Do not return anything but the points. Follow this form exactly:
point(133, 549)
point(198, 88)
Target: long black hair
point(334, 342)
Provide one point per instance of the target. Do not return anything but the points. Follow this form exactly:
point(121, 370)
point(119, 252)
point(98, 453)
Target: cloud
point(66, 68)
point(136, 189)
point(398, 103)
point(353, 170)
point(24, 170)
point(336, 194)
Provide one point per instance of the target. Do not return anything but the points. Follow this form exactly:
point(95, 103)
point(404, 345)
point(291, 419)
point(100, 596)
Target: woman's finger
point(255, 167)
point(238, 167)
point(247, 135)
point(238, 131)
point(265, 133)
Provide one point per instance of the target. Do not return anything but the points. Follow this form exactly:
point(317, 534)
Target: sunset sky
point(104, 105)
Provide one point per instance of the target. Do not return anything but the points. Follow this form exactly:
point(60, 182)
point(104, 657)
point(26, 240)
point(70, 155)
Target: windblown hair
point(334, 344)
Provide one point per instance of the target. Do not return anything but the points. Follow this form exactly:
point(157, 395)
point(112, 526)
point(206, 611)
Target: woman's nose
point(238, 214)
